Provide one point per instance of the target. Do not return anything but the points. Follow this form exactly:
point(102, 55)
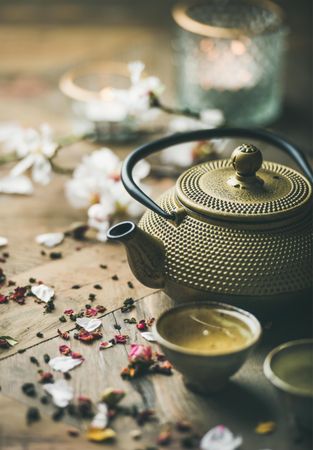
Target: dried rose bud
point(183, 425)
point(112, 396)
point(4, 298)
point(76, 355)
point(64, 335)
point(91, 312)
point(141, 325)
point(120, 338)
point(164, 438)
point(105, 344)
point(142, 353)
point(46, 377)
point(65, 350)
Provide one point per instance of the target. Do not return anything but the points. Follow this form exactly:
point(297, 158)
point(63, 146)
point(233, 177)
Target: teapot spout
point(145, 253)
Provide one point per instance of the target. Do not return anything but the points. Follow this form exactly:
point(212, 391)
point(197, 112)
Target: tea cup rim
point(256, 329)
point(275, 379)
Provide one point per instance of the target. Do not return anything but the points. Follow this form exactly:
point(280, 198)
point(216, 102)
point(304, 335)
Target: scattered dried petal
point(64, 363)
point(91, 312)
point(43, 292)
point(183, 425)
point(265, 427)
point(64, 335)
point(88, 324)
point(3, 241)
point(98, 435)
point(112, 396)
point(220, 438)
point(104, 345)
point(121, 338)
point(148, 336)
point(65, 350)
point(7, 342)
point(88, 337)
point(100, 420)
point(3, 299)
point(50, 239)
point(142, 353)
point(164, 438)
point(61, 392)
point(46, 377)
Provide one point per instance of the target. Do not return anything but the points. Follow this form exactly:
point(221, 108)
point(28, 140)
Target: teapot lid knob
point(247, 160)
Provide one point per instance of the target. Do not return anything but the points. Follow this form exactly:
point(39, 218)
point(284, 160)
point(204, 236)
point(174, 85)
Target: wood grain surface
point(34, 53)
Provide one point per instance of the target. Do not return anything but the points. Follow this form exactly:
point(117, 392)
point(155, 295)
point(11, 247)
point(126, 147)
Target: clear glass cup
point(229, 56)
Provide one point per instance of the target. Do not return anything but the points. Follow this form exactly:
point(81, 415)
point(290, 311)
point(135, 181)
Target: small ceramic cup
point(289, 367)
point(209, 369)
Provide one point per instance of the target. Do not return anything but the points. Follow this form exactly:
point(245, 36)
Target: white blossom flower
point(98, 219)
point(35, 147)
point(96, 185)
point(117, 105)
point(61, 392)
point(182, 154)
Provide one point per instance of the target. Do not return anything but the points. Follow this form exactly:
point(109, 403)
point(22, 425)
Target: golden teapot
point(237, 230)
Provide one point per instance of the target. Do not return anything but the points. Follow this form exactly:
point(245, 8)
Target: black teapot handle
point(180, 138)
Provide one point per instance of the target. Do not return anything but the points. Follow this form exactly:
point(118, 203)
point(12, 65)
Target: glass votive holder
point(98, 91)
point(229, 56)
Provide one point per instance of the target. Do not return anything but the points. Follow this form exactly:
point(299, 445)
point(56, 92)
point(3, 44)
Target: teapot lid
point(244, 188)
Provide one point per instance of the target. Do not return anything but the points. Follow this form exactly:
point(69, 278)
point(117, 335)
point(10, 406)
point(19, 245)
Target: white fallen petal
point(3, 241)
point(61, 391)
point(50, 239)
point(220, 438)
point(148, 336)
point(64, 363)
point(43, 292)
point(21, 185)
point(88, 324)
point(100, 420)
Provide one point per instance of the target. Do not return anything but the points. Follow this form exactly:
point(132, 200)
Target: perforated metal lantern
point(238, 230)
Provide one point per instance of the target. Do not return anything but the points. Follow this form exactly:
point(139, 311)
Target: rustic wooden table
point(29, 94)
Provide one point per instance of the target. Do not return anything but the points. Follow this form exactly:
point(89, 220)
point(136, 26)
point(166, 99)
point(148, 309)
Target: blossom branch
point(155, 102)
